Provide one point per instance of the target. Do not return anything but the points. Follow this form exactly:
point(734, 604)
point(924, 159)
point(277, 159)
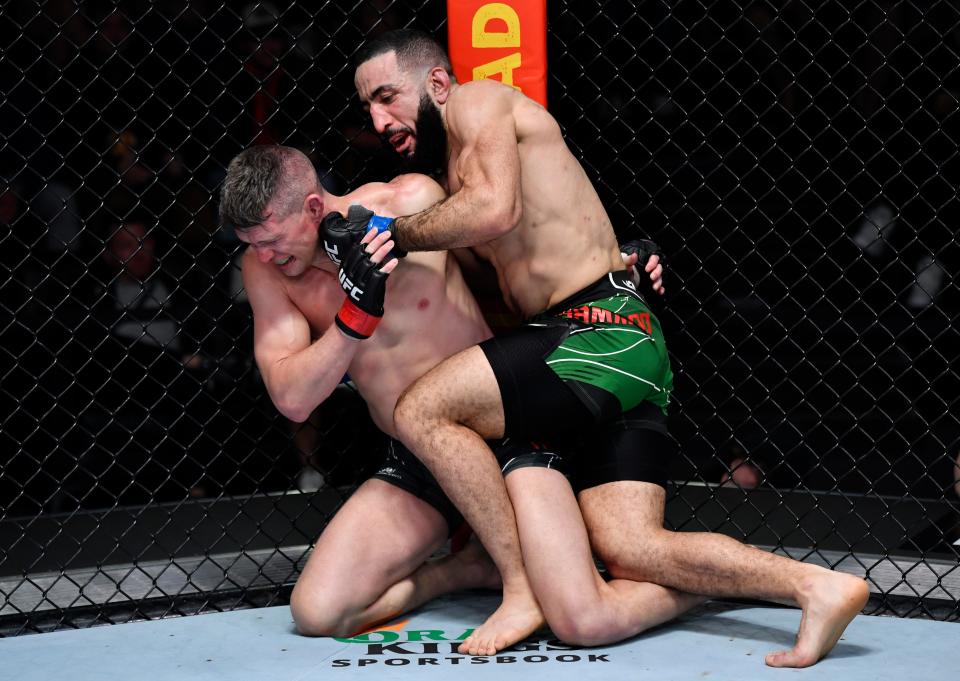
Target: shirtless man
point(590, 360)
point(306, 337)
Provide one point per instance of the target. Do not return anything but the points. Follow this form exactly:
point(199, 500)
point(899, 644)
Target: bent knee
point(318, 616)
point(581, 627)
point(406, 414)
point(418, 412)
point(413, 410)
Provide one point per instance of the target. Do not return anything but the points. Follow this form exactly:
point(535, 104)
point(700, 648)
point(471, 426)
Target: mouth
point(401, 141)
point(283, 262)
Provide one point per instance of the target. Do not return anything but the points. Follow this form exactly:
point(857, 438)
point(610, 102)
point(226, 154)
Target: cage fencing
point(797, 161)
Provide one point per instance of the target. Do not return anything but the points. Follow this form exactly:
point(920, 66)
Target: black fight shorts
point(401, 468)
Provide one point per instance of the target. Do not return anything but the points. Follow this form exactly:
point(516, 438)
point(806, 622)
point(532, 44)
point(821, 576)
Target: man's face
point(403, 113)
point(392, 99)
point(289, 243)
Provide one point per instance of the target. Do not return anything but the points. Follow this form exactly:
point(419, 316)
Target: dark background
point(796, 161)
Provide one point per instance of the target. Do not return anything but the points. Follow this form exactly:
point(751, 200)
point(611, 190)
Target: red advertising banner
point(505, 41)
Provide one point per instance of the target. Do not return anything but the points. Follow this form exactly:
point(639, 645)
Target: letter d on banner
point(505, 41)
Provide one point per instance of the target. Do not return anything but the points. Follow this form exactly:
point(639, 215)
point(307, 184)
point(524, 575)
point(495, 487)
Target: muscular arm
point(489, 201)
point(299, 374)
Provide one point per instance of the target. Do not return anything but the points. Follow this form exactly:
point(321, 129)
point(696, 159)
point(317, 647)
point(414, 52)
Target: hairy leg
point(580, 607)
point(443, 419)
point(717, 565)
point(368, 565)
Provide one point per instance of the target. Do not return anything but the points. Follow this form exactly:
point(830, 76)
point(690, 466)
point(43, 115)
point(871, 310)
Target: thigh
point(634, 447)
point(623, 520)
point(463, 389)
point(537, 404)
point(401, 468)
point(381, 535)
point(553, 538)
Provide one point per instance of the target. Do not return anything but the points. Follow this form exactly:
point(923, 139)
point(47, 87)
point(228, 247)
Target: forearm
point(298, 383)
point(461, 221)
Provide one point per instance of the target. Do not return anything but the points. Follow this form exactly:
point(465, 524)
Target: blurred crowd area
point(797, 161)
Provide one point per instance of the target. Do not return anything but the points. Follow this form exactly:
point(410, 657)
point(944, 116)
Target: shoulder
point(258, 279)
point(483, 90)
point(414, 183)
point(250, 266)
point(475, 106)
point(403, 195)
point(413, 192)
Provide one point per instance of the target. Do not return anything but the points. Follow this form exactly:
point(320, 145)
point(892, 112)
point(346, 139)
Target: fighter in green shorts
point(618, 347)
point(593, 367)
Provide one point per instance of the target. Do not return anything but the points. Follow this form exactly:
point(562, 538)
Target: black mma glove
point(340, 234)
point(644, 248)
point(365, 285)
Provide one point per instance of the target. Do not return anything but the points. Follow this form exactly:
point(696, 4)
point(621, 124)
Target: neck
point(335, 204)
point(443, 107)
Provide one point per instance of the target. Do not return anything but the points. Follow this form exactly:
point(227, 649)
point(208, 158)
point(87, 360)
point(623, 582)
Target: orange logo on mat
point(386, 627)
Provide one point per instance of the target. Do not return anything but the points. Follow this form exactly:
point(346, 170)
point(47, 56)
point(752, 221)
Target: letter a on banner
point(505, 41)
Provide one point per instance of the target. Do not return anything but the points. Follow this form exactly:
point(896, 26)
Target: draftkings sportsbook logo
point(395, 647)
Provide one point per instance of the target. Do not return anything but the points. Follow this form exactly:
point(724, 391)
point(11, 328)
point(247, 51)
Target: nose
point(381, 119)
point(265, 254)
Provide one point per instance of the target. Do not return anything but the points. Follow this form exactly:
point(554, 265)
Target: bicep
point(279, 328)
point(490, 159)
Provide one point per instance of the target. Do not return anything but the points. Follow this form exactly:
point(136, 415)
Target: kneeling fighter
point(308, 333)
point(523, 202)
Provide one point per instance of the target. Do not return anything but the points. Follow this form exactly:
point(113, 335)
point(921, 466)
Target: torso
point(565, 240)
point(429, 315)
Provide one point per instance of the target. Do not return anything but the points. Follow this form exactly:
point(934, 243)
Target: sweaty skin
point(524, 224)
point(358, 574)
point(561, 218)
point(546, 234)
point(426, 294)
point(519, 199)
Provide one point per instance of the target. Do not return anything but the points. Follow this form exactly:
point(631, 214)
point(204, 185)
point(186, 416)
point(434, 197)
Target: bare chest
point(416, 296)
point(415, 292)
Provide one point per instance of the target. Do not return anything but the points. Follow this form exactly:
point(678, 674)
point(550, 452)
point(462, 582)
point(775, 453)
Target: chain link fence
point(797, 161)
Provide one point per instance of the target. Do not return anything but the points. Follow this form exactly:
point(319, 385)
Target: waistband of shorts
point(611, 284)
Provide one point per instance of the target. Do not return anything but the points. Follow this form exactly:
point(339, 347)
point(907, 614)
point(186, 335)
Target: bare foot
point(830, 601)
point(516, 618)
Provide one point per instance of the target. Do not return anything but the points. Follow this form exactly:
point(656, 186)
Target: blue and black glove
point(340, 234)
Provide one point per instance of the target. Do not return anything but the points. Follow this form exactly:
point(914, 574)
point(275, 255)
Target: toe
point(790, 658)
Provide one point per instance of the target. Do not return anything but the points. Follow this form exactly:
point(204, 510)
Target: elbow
point(505, 218)
point(292, 406)
point(293, 410)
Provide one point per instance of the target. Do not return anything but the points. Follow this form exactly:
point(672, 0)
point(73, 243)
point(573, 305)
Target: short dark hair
point(262, 177)
point(414, 49)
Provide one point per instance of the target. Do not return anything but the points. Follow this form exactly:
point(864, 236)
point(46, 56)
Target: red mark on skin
point(423, 304)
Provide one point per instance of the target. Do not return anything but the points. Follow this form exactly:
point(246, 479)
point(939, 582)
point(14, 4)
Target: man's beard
point(430, 154)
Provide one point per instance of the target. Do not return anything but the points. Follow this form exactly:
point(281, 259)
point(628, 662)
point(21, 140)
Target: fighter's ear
point(314, 205)
point(438, 84)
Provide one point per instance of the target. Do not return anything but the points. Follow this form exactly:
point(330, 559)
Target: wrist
point(354, 322)
point(397, 232)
